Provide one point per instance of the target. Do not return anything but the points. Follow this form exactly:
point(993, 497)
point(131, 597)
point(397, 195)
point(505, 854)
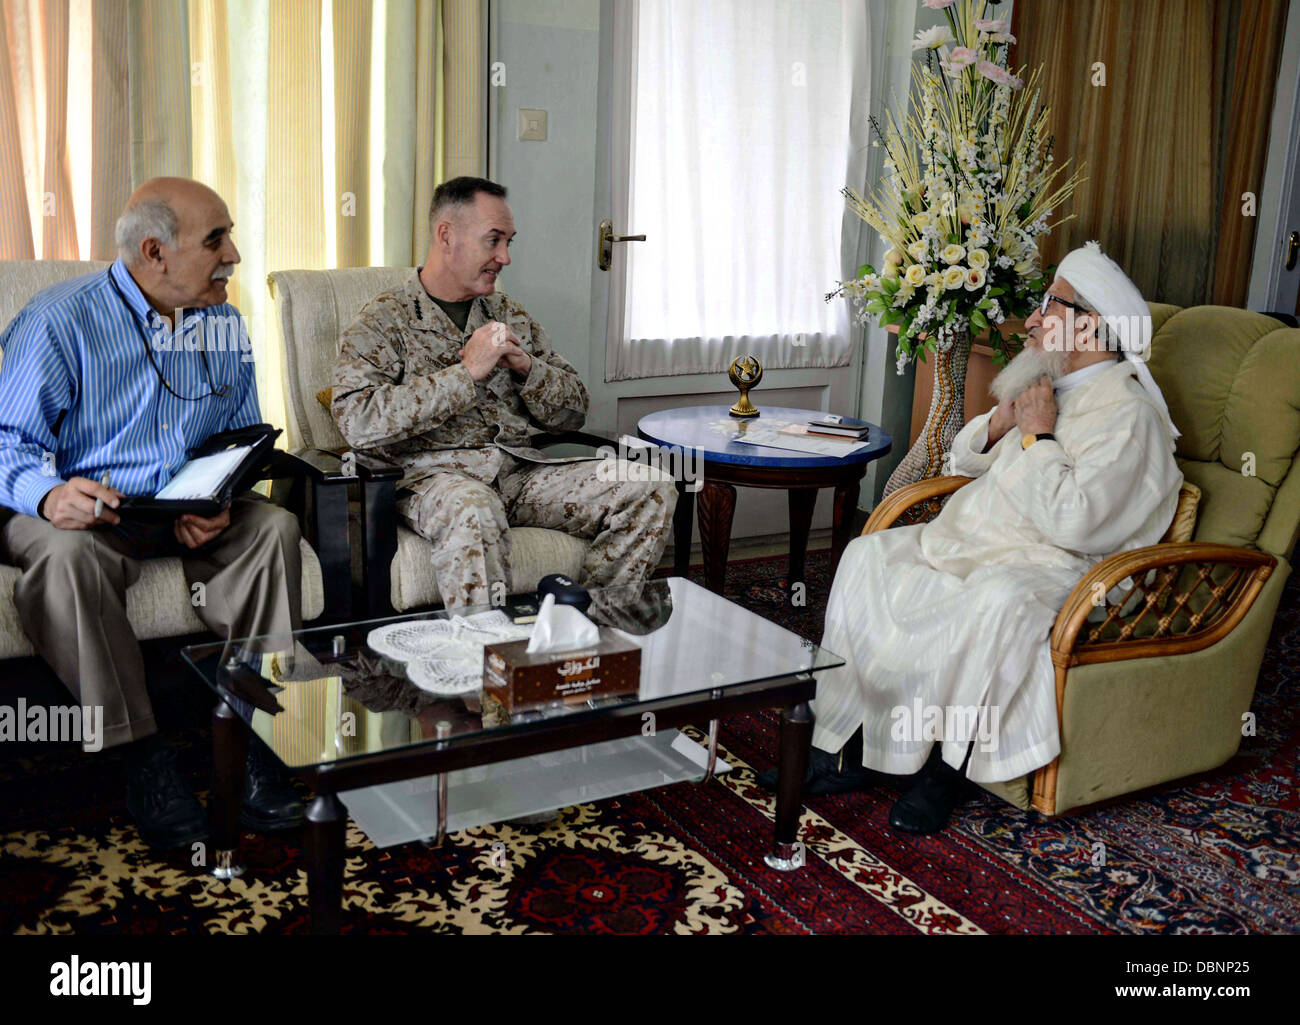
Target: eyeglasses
point(214, 391)
point(1048, 299)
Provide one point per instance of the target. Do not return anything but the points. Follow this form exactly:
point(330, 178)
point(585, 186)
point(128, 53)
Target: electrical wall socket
point(532, 125)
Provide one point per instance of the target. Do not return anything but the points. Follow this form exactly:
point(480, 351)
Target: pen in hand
point(99, 502)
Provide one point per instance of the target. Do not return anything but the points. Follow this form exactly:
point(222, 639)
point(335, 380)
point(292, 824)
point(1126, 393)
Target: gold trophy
point(745, 373)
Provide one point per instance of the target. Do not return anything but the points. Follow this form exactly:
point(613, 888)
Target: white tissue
point(561, 628)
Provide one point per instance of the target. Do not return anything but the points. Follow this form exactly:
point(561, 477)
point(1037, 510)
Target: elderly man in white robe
point(945, 625)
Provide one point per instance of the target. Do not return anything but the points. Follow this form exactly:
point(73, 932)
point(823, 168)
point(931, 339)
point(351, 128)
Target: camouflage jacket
point(401, 392)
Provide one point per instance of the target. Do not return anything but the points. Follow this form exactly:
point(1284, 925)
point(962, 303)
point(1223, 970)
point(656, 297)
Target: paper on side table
point(774, 437)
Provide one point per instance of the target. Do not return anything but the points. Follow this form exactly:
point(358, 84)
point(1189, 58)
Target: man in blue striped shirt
point(116, 376)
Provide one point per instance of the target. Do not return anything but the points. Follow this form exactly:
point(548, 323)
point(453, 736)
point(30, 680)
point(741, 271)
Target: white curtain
point(739, 146)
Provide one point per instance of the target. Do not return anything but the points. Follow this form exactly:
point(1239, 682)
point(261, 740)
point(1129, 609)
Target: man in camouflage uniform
point(449, 377)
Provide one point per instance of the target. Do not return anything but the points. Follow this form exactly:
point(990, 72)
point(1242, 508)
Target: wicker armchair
point(1157, 650)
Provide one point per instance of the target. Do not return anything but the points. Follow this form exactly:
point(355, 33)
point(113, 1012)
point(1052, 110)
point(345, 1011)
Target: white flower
point(922, 220)
point(974, 279)
point(915, 275)
point(933, 38)
point(893, 256)
point(978, 258)
point(919, 250)
point(869, 283)
point(953, 277)
point(953, 254)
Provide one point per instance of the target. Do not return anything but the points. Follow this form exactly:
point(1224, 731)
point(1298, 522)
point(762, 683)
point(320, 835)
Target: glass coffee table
point(373, 736)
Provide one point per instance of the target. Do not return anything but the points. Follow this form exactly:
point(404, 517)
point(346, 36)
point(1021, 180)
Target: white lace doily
point(406, 641)
point(447, 676)
point(445, 656)
point(489, 621)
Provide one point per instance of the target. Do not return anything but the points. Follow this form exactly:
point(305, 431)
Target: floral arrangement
point(968, 187)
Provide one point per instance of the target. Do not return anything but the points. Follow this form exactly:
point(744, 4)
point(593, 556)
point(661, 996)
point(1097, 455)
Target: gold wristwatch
point(1029, 439)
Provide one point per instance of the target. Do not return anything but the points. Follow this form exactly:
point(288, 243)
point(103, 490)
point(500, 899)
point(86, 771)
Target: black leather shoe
point(166, 812)
point(270, 803)
point(829, 773)
point(928, 805)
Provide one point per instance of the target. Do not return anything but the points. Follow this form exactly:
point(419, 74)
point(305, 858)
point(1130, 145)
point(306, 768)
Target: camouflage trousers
point(625, 518)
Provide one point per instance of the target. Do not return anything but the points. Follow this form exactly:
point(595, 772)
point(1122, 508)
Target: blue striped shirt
point(77, 350)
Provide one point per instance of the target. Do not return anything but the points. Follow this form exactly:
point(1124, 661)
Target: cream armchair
point(392, 567)
point(158, 604)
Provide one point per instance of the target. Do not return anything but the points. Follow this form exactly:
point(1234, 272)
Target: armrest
point(1232, 578)
point(372, 468)
point(323, 520)
point(317, 465)
point(573, 438)
point(379, 481)
point(904, 499)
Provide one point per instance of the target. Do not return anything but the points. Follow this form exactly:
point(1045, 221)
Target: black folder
point(240, 478)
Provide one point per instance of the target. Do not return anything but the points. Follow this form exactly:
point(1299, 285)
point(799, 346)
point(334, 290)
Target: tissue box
point(516, 680)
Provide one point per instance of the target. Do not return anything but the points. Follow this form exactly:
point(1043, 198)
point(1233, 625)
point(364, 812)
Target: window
point(738, 148)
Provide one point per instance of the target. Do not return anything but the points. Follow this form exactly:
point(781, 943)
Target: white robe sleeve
point(968, 456)
point(1096, 501)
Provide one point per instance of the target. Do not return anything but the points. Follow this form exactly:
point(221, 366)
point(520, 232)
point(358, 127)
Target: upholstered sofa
point(1159, 688)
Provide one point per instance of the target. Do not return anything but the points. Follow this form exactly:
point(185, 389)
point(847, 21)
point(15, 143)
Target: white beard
point(1025, 369)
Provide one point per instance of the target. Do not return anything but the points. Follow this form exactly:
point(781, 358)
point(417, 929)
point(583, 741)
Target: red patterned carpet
point(1219, 855)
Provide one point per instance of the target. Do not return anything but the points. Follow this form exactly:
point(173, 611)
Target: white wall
point(551, 53)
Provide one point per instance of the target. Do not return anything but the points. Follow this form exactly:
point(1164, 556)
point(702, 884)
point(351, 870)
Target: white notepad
point(203, 477)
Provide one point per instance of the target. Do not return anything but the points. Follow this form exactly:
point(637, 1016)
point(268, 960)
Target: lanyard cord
point(213, 390)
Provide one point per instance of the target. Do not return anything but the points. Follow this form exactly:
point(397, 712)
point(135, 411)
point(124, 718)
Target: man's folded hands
point(491, 346)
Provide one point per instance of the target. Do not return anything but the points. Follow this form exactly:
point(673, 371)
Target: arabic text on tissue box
point(574, 664)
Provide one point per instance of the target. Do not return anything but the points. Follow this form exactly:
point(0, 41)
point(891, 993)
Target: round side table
point(729, 464)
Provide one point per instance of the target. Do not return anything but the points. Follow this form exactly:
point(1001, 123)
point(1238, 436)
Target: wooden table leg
point(846, 509)
point(229, 750)
point(796, 743)
point(326, 848)
point(717, 507)
point(802, 503)
point(683, 529)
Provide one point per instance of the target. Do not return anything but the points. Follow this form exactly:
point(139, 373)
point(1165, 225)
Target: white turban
point(1108, 290)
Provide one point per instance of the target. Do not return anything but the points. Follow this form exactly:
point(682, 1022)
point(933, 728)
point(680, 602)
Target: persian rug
point(1219, 854)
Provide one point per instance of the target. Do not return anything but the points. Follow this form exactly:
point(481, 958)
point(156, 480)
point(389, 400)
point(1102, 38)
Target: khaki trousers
point(71, 597)
point(625, 518)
